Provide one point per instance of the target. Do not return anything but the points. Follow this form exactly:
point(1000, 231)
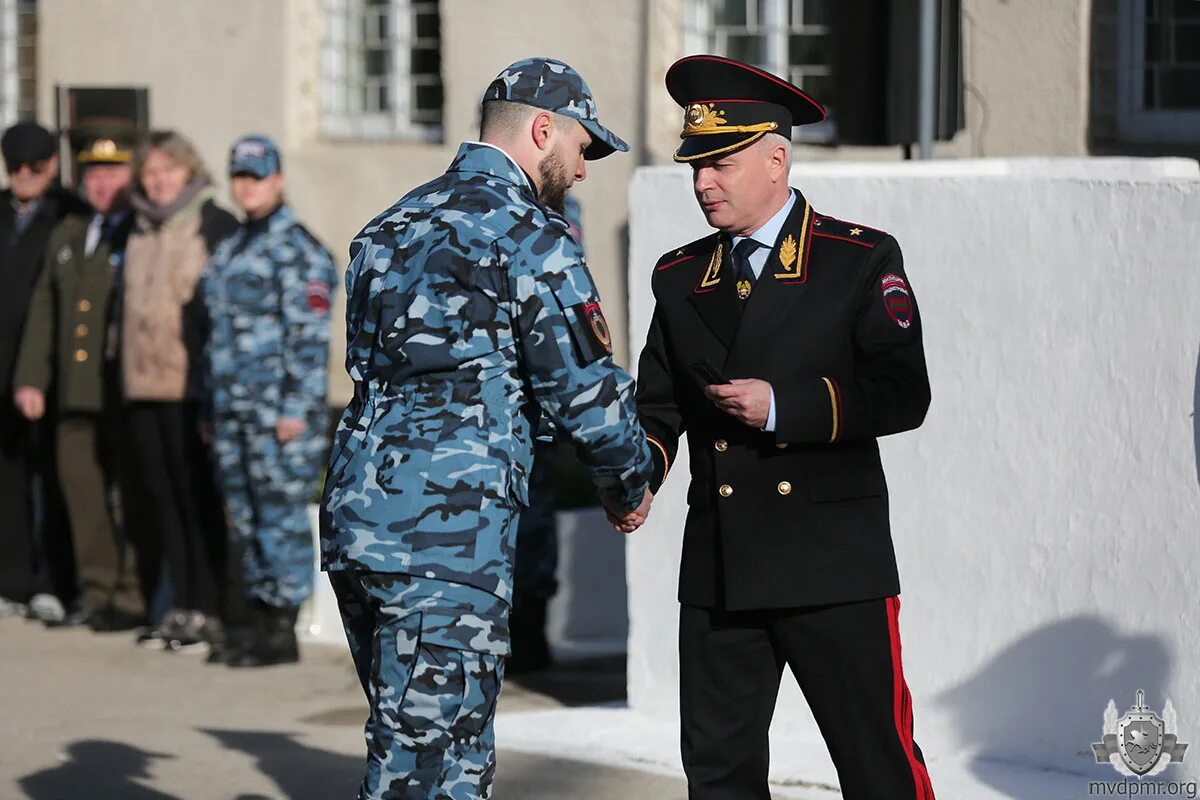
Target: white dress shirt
point(95, 229)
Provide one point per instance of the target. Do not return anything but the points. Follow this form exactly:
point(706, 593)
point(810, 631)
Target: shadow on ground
point(586, 682)
point(1045, 693)
point(301, 772)
point(108, 770)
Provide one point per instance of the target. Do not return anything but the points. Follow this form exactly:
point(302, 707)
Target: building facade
point(368, 98)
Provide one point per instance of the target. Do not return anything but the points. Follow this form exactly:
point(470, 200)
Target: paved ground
point(86, 715)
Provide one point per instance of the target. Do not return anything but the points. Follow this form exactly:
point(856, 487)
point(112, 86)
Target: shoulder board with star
point(841, 230)
point(689, 252)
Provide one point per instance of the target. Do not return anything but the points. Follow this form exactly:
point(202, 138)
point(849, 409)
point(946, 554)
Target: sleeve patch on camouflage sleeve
point(590, 331)
point(897, 300)
point(317, 293)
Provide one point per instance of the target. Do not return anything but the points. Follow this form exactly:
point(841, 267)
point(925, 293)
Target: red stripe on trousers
point(902, 705)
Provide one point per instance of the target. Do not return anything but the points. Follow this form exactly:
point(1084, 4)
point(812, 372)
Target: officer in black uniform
point(787, 553)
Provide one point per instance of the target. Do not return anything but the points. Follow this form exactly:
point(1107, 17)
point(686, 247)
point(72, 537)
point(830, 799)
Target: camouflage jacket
point(267, 288)
point(470, 312)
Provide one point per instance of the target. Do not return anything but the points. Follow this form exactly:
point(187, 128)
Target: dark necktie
point(743, 273)
point(107, 226)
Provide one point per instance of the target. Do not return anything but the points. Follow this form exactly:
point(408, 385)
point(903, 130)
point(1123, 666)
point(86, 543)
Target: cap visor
point(243, 169)
point(116, 158)
point(604, 141)
point(715, 145)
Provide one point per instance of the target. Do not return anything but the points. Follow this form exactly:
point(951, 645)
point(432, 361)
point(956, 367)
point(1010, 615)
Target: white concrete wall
point(1046, 514)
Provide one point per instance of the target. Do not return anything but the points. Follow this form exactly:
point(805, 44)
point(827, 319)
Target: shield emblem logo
point(1140, 741)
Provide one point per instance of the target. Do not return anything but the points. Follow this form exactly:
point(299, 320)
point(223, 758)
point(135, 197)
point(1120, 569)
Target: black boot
point(527, 631)
point(239, 635)
point(275, 642)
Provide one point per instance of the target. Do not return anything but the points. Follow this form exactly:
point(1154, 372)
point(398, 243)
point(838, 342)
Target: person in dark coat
point(784, 344)
point(31, 572)
point(67, 344)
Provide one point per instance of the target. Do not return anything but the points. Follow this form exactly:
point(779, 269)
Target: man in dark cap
point(470, 314)
point(66, 346)
point(783, 344)
point(30, 208)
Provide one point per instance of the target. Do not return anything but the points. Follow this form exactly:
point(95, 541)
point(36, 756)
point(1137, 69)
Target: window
point(1158, 64)
point(789, 38)
point(18, 61)
point(382, 70)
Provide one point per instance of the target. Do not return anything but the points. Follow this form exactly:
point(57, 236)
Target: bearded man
point(471, 316)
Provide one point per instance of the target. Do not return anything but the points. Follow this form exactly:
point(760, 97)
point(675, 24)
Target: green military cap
point(104, 142)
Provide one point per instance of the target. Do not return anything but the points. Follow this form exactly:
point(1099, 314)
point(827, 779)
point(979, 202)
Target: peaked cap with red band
point(728, 105)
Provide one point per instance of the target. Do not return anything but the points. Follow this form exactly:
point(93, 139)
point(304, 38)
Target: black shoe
point(274, 642)
point(241, 635)
point(527, 634)
point(113, 620)
point(234, 641)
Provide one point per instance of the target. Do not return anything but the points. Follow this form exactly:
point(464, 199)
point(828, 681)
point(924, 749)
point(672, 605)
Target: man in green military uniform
point(67, 346)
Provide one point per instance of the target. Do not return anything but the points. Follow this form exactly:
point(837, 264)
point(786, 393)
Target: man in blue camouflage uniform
point(268, 290)
point(470, 314)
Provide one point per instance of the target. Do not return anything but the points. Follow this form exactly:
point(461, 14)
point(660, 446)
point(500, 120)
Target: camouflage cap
point(552, 85)
point(254, 155)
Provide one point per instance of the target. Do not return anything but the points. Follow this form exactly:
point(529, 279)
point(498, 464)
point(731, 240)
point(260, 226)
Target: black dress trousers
point(846, 659)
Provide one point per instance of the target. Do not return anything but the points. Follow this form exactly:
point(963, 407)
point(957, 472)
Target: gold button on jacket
point(784, 488)
point(81, 331)
point(725, 490)
point(85, 305)
point(721, 445)
point(81, 356)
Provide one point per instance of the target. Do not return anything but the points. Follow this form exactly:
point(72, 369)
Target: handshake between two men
point(748, 400)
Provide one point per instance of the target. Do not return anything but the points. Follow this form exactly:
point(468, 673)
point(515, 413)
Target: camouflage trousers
point(267, 487)
point(430, 730)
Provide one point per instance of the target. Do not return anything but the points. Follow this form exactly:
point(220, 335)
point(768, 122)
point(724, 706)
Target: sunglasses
point(36, 167)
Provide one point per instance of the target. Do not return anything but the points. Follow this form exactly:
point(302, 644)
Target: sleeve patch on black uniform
point(590, 331)
point(897, 300)
point(317, 293)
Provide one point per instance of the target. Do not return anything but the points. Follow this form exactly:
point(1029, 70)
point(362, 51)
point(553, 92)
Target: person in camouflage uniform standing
point(268, 290)
point(470, 314)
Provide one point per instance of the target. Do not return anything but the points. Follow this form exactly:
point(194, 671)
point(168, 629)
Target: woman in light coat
point(169, 499)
